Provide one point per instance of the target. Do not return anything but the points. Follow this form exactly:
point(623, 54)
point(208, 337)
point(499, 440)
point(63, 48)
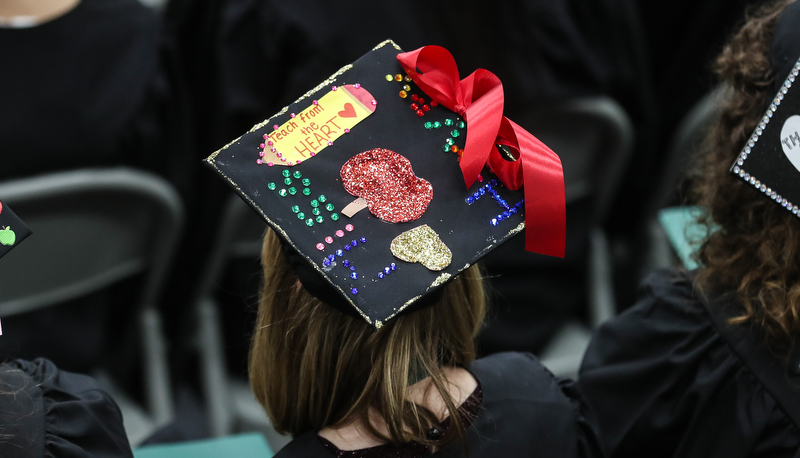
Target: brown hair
point(312, 366)
point(756, 249)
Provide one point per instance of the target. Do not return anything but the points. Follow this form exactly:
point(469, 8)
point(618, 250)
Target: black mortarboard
point(12, 230)
point(770, 161)
point(374, 184)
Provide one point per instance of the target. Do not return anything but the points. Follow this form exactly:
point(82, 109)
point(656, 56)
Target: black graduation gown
point(46, 412)
point(664, 381)
point(525, 411)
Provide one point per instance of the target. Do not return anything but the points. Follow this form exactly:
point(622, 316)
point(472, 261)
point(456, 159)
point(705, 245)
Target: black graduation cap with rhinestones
point(12, 230)
point(363, 131)
point(770, 161)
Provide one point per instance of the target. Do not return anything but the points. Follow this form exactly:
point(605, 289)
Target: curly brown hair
point(755, 250)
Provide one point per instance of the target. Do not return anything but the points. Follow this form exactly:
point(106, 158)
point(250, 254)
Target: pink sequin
point(357, 86)
point(261, 146)
point(330, 143)
point(334, 88)
point(347, 131)
point(276, 127)
point(321, 247)
point(349, 228)
point(258, 161)
point(270, 164)
point(374, 102)
point(329, 239)
point(315, 102)
point(387, 182)
point(266, 137)
point(293, 115)
point(261, 154)
point(269, 142)
point(340, 233)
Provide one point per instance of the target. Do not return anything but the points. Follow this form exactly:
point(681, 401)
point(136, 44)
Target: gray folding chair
point(682, 155)
point(594, 138)
point(92, 229)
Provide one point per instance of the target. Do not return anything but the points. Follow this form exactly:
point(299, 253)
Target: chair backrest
point(91, 229)
point(594, 138)
point(239, 236)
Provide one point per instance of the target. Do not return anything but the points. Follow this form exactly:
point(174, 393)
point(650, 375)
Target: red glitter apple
point(386, 181)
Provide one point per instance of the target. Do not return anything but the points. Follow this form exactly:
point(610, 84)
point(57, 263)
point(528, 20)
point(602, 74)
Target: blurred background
point(144, 267)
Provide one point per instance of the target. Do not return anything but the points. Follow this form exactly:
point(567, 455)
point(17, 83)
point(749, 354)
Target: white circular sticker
point(790, 140)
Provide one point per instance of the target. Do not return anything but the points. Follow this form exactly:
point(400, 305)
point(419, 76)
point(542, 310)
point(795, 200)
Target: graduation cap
point(770, 161)
point(12, 229)
point(393, 176)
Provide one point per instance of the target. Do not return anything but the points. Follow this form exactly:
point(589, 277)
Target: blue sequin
point(339, 252)
point(354, 290)
point(393, 266)
point(363, 240)
point(506, 214)
point(347, 247)
point(493, 222)
point(481, 191)
point(354, 243)
point(353, 268)
point(387, 270)
point(470, 200)
point(346, 263)
point(332, 257)
point(327, 262)
point(380, 275)
point(354, 276)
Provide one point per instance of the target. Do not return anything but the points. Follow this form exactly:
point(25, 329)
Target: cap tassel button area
point(423, 245)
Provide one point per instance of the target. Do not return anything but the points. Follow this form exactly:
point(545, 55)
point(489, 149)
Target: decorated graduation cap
point(12, 229)
point(393, 176)
point(770, 161)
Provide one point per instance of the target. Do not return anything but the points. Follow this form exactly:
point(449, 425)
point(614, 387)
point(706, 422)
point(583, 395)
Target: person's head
point(754, 248)
point(312, 366)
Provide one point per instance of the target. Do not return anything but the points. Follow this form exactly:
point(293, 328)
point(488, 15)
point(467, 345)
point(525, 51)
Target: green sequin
point(462, 125)
point(315, 211)
point(437, 125)
point(389, 78)
point(282, 192)
point(322, 198)
point(297, 174)
point(446, 148)
point(287, 181)
point(306, 192)
point(455, 133)
point(314, 203)
point(272, 186)
point(296, 209)
point(450, 141)
point(334, 216)
point(292, 191)
point(301, 215)
point(448, 122)
point(429, 125)
point(320, 219)
point(309, 222)
point(306, 182)
point(286, 173)
point(329, 207)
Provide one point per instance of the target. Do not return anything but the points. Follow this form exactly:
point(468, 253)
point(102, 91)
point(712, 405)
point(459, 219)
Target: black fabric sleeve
point(80, 418)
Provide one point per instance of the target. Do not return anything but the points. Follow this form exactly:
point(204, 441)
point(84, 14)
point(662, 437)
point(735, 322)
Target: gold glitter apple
point(423, 245)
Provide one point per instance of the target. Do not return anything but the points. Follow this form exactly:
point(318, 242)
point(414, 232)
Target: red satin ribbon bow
point(478, 99)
